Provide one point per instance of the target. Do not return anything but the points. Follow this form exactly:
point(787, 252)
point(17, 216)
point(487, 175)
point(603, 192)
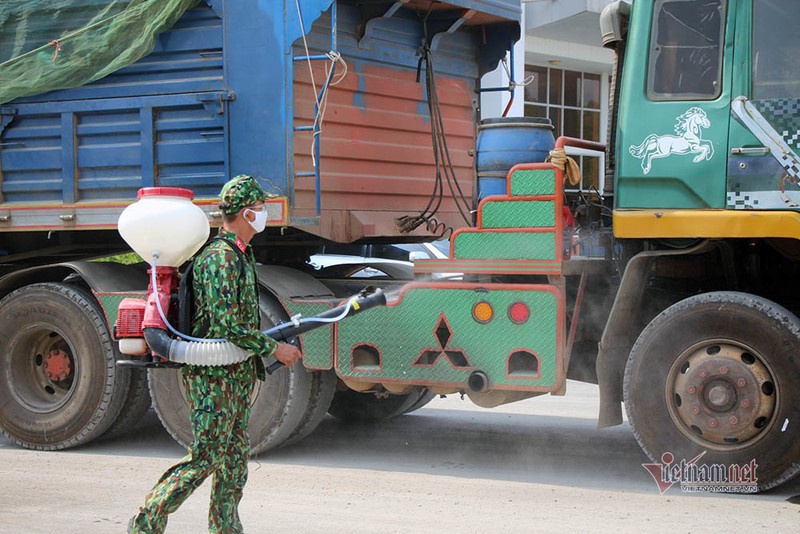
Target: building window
point(571, 100)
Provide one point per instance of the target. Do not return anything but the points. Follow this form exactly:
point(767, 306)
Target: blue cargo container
point(226, 91)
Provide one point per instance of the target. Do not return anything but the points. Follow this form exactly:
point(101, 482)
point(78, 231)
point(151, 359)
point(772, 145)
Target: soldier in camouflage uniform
point(219, 397)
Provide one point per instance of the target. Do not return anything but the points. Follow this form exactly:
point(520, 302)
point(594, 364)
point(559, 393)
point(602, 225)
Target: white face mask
point(260, 220)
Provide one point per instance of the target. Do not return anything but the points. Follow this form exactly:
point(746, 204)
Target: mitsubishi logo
point(443, 334)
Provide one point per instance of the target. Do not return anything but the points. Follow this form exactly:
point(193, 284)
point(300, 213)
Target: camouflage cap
point(240, 192)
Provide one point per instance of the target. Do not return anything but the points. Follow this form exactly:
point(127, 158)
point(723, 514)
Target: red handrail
point(563, 141)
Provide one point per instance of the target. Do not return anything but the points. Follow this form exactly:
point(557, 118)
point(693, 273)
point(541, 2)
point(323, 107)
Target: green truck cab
point(701, 342)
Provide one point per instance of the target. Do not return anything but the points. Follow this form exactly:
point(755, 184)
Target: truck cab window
point(685, 61)
point(776, 49)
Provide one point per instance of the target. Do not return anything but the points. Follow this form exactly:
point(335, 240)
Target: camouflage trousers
point(219, 400)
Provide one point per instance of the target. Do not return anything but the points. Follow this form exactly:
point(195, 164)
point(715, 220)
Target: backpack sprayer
point(166, 226)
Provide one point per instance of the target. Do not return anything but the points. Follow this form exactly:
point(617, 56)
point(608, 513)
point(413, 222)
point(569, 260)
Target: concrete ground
point(535, 466)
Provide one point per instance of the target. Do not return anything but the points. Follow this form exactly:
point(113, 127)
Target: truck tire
point(134, 408)
point(279, 408)
point(349, 405)
point(59, 383)
point(276, 411)
point(323, 387)
point(718, 372)
point(425, 397)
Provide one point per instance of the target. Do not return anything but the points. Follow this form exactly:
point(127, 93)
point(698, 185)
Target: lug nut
point(712, 423)
point(692, 390)
point(723, 370)
point(695, 410)
point(745, 403)
point(733, 420)
point(702, 374)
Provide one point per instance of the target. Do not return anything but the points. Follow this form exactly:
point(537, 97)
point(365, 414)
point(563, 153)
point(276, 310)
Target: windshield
point(776, 49)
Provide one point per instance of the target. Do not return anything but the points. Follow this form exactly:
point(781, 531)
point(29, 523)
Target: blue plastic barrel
point(506, 141)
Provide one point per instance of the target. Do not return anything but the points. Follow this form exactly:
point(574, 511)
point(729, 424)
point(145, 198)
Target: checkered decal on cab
point(791, 164)
point(782, 114)
point(741, 201)
point(793, 139)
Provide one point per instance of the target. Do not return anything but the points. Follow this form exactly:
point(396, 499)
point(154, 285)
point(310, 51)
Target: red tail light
point(519, 312)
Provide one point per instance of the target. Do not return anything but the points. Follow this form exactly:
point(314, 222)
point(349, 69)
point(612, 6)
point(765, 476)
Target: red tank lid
point(165, 192)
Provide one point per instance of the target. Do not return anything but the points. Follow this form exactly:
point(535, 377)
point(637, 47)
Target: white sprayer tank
point(164, 221)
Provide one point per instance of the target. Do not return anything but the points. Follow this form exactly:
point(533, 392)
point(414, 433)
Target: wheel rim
point(721, 394)
point(42, 368)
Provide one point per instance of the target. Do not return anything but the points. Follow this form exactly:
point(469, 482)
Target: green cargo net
point(58, 44)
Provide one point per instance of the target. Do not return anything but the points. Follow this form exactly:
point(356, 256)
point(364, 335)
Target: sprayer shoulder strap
point(239, 254)
point(186, 301)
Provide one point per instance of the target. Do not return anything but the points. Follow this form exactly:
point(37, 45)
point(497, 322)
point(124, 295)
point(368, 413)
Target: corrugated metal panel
point(377, 154)
point(190, 149)
point(108, 153)
point(31, 159)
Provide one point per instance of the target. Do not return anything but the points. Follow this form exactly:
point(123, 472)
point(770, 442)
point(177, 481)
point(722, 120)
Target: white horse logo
point(688, 141)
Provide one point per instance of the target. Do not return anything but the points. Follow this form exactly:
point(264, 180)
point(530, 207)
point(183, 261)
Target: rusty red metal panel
point(377, 156)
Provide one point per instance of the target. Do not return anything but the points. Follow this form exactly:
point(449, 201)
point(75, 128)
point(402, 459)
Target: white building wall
point(558, 33)
point(494, 103)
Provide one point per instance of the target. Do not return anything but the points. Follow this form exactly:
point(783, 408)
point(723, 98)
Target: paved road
point(535, 466)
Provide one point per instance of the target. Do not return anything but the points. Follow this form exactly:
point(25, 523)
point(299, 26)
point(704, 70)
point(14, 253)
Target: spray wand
point(222, 352)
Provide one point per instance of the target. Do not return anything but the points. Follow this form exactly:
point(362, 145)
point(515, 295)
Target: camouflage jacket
point(226, 301)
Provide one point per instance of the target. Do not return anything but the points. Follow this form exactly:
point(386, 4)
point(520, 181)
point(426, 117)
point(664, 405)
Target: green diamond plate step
point(533, 182)
point(505, 245)
point(494, 247)
point(514, 213)
point(448, 267)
